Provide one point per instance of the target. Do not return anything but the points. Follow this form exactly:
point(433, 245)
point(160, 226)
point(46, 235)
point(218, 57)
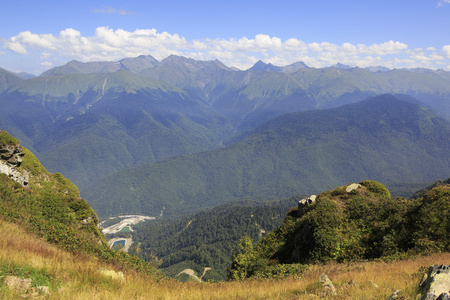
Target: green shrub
point(433, 220)
point(376, 188)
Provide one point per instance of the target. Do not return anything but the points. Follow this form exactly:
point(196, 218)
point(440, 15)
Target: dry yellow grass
point(80, 277)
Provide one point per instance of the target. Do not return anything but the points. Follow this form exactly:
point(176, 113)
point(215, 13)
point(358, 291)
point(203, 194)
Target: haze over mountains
point(383, 138)
point(89, 120)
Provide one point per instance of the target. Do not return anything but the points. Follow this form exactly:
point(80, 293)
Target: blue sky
point(38, 35)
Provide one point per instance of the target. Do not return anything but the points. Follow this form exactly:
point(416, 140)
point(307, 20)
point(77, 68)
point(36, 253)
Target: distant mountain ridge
point(181, 105)
point(76, 67)
point(8, 79)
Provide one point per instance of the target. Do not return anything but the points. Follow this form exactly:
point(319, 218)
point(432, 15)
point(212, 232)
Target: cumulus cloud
point(446, 50)
point(109, 44)
point(443, 2)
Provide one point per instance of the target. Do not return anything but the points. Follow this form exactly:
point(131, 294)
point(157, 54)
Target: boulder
point(436, 283)
point(16, 283)
point(302, 204)
point(352, 187)
point(328, 287)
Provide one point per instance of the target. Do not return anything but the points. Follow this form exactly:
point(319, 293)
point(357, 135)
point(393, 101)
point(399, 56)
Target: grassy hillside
point(50, 208)
point(50, 237)
point(383, 138)
point(79, 276)
point(350, 223)
point(72, 276)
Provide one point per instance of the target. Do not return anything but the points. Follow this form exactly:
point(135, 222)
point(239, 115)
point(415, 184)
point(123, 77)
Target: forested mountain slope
point(90, 125)
point(207, 239)
point(383, 138)
point(88, 120)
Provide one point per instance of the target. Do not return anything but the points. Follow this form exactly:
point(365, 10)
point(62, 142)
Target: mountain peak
point(261, 66)
point(295, 67)
point(137, 64)
point(340, 66)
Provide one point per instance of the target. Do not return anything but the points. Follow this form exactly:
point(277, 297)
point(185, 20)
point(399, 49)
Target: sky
point(38, 35)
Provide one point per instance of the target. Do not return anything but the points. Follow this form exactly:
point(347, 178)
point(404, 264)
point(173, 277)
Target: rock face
point(302, 204)
point(10, 159)
point(11, 154)
point(436, 283)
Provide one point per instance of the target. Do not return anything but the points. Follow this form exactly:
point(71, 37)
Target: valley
point(195, 168)
point(122, 224)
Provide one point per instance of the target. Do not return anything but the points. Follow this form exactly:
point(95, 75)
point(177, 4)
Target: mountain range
point(383, 138)
point(90, 120)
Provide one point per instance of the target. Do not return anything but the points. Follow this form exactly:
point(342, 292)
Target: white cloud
point(46, 64)
point(109, 44)
point(446, 50)
point(443, 2)
point(15, 46)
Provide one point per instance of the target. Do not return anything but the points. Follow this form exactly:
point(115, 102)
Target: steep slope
point(49, 206)
point(90, 125)
point(181, 106)
point(348, 223)
point(8, 79)
point(383, 138)
point(332, 87)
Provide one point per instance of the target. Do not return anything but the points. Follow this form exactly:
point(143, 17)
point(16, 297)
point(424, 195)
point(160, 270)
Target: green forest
point(207, 238)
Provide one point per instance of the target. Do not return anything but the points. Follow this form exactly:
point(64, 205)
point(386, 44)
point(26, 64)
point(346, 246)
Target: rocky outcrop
point(302, 204)
point(10, 159)
point(436, 283)
point(351, 187)
point(11, 154)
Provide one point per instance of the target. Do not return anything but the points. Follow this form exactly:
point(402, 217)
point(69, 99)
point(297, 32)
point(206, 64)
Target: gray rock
point(328, 287)
point(352, 187)
point(302, 204)
point(437, 283)
point(11, 154)
point(394, 295)
point(16, 283)
point(10, 159)
point(12, 172)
